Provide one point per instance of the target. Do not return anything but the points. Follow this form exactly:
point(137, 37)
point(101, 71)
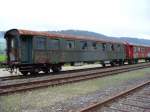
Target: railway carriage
point(129, 52)
point(141, 52)
point(137, 52)
point(32, 51)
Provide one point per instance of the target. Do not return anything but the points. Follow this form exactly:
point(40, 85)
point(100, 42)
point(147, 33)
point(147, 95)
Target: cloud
point(104, 16)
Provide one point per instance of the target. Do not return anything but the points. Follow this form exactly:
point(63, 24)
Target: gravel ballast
point(71, 97)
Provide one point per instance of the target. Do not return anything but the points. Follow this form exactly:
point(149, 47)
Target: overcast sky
point(109, 17)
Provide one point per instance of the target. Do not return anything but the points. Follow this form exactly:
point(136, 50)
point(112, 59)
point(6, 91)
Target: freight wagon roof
point(56, 35)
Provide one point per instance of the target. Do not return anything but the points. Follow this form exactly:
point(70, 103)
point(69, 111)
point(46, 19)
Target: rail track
point(14, 77)
point(38, 82)
point(136, 98)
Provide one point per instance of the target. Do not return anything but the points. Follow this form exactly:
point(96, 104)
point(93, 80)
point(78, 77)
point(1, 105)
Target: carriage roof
point(18, 32)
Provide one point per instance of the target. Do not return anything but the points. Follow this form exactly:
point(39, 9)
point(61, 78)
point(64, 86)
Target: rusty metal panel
point(64, 36)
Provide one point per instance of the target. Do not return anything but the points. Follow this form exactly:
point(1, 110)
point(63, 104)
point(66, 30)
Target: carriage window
point(83, 45)
point(40, 43)
point(94, 45)
point(104, 46)
point(112, 47)
point(99, 46)
point(139, 49)
point(53, 44)
point(143, 49)
point(13, 43)
point(118, 47)
point(136, 49)
point(70, 44)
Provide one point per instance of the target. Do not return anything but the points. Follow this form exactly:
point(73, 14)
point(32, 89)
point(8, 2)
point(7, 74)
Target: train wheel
point(135, 61)
point(103, 65)
point(34, 73)
point(24, 72)
point(130, 62)
point(46, 70)
point(56, 68)
point(121, 63)
point(112, 64)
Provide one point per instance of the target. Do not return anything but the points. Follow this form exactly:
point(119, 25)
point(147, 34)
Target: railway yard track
point(27, 83)
point(135, 99)
point(14, 77)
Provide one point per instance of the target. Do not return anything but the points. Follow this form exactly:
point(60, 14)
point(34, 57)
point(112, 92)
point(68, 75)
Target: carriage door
point(131, 52)
point(26, 49)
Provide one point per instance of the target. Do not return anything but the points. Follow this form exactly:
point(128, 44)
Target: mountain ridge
point(132, 40)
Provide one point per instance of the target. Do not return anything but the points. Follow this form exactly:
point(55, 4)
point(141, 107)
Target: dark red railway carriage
point(136, 52)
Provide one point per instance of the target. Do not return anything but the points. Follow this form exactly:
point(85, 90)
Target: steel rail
point(96, 106)
point(5, 78)
point(33, 84)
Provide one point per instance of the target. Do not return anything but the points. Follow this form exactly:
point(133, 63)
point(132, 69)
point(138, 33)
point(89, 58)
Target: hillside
point(136, 40)
point(97, 35)
point(86, 33)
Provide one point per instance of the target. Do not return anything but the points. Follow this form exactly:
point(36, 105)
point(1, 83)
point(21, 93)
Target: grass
point(49, 96)
point(2, 57)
